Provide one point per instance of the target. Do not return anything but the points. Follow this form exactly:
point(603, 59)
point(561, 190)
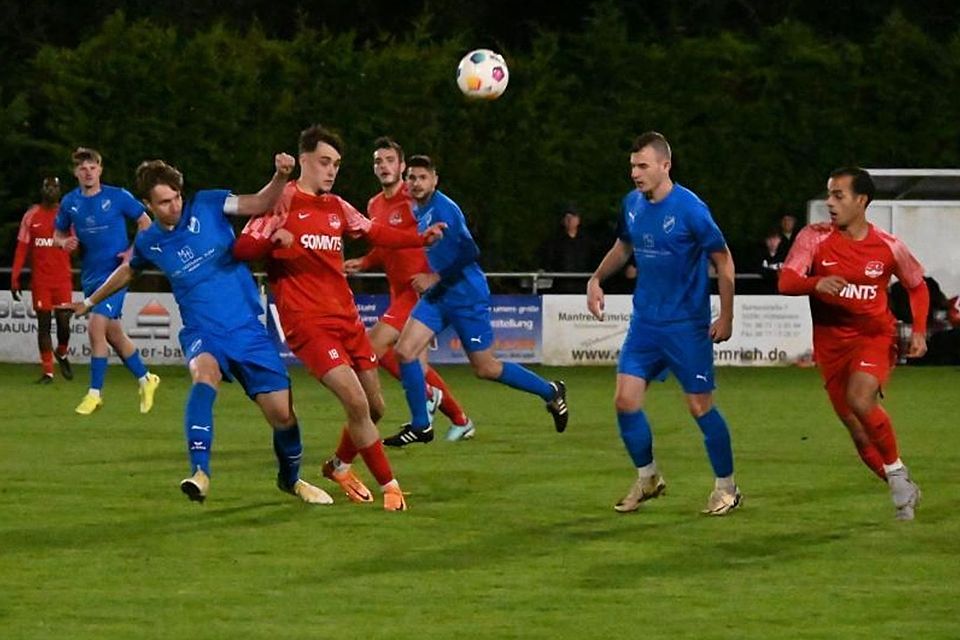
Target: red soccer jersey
point(400, 265)
point(307, 278)
point(861, 308)
point(50, 264)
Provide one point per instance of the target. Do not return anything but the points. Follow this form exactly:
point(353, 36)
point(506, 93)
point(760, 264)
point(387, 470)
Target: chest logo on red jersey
point(318, 242)
point(669, 222)
point(334, 221)
point(396, 218)
point(859, 292)
point(874, 269)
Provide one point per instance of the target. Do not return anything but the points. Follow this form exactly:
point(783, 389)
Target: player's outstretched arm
point(120, 278)
point(613, 262)
point(722, 328)
point(264, 200)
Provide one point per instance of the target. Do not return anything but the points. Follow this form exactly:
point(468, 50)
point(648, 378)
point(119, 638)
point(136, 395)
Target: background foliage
point(760, 100)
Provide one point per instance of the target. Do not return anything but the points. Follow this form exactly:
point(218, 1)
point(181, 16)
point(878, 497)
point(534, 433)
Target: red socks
point(346, 450)
point(880, 431)
point(376, 460)
point(46, 361)
point(449, 405)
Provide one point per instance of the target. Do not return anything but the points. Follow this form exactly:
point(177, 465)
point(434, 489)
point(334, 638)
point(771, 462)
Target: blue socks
point(518, 377)
point(198, 426)
point(415, 390)
point(289, 450)
point(636, 436)
point(716, 438)
point(98, 371)
point(135, 365)
point(638, 440)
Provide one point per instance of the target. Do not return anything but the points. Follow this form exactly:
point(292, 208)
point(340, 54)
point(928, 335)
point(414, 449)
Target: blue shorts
point(246, 354)
point(649, 352)
point(111, 307)
point(471, 322)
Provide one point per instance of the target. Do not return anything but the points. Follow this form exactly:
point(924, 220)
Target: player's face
point(648, 170)
point(421, 183)
point(388, 167)
point(50, 191)
point(88, 173)
point(319, 168)
point(844, 205)
point(166, 204)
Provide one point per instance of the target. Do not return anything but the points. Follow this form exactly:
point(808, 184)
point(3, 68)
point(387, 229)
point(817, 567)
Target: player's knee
point(861, 403)
point(377, 409)
point(488, 370)
point(404, 353)
point(624, 403)
point(357, 407)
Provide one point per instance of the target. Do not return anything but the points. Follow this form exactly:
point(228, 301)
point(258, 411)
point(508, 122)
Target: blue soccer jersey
point(453, 257)
point(100, 222)
point(214, 291)
point(671, 240)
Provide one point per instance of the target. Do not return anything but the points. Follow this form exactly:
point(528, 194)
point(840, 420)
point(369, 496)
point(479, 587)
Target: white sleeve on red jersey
point(23, 235)
point(263, 227)
point(357, 223)
point(907, 268)
point(804, 248)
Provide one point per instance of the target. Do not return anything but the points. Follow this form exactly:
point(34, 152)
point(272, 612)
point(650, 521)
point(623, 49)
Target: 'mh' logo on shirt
point(186, 254)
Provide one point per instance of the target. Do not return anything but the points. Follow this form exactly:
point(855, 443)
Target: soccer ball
point(483, 74)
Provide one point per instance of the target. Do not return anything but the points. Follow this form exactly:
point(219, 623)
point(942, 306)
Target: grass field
point(511, 535)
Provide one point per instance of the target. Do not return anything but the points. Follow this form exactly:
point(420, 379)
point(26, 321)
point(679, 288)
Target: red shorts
point(324, 346)
point(875, 355)
point(46, 297)
point(400, 307)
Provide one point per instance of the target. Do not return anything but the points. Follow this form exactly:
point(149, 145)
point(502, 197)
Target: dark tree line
point(758, 104)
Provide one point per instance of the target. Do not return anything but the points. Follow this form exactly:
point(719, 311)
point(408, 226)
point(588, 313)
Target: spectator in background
point(788, 232)
point(771, 259)
point(943, 324)
point(569, 251)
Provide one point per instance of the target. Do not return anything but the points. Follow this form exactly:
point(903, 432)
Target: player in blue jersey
point(98, 214)
point(454, 293)
point(222, 337)
point(672, 236)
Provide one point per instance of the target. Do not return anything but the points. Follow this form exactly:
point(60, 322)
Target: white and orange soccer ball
point(483, 74)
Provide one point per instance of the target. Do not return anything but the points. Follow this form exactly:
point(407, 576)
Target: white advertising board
point(767, 330)
point(152, 320)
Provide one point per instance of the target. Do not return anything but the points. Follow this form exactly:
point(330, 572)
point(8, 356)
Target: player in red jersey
point(845, 267)
point(302, 240)
point(393, 207)
point(51, 281)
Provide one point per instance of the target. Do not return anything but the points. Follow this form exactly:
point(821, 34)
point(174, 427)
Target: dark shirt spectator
point(770, 260)
point(571, 250)
point(788, 232)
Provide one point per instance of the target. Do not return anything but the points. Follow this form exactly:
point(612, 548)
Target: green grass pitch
point(511, 535)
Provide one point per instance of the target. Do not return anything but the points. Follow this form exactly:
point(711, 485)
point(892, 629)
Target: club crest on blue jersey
point(193, 225)
point(105, 205)
point(669, 222)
